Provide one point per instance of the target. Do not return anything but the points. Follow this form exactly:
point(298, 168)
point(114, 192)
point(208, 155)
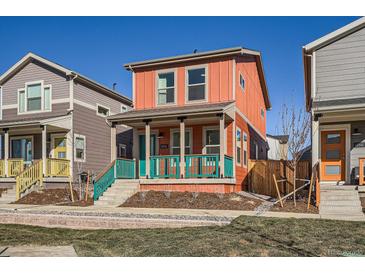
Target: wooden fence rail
point(260, 176)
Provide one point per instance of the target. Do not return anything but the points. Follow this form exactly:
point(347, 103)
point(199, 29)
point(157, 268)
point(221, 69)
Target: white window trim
point(241, 75)
point(17, 138)
point(53, 137)
point(50, 97)
point(75, 158)
point(245, 163)
point(206, 89)
point(239, 145)
point(42, 110)
point(125, 108)
point(119, 150)
point(205, 129)
point(174, 130)
point(99, 114)
point(175, 86)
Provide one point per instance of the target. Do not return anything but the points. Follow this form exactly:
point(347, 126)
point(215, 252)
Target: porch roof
point(172, 111)
point(31, 121)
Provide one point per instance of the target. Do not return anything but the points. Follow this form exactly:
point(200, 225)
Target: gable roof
point(206, 55)
point(283, 139)
point(29, 57)
point(320, 43)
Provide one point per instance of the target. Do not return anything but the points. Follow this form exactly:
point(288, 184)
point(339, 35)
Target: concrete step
point(340, 210)
point(338, 187)
point(339, 198)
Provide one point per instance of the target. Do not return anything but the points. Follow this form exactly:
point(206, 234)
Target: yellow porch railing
point(29, 177)
point(58, 168)
point(2, 168)
point(15, 167)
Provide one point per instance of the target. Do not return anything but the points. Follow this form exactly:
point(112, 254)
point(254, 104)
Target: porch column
point(6, 150)
point(113, 142)
point(148, 149)
point(222, 144)
point(44, 148)
point(182, 147)
point(135, 150)
point(234, 148)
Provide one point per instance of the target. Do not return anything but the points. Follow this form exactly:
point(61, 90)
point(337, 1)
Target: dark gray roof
point(338, 102)
point(28, 120)
point(281, 138)
point(195, 109)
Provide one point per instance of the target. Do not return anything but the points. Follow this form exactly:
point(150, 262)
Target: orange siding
point(241, 171)
point(219, 83)
point(251, 101)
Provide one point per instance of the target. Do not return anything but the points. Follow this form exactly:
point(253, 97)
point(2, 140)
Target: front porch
point(35, 151)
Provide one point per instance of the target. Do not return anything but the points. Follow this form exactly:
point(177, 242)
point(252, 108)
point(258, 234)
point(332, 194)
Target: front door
point(59, 149)
point(333, 155)
point(142, 152)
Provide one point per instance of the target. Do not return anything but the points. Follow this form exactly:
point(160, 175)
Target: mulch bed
point(189, 200)
point(161, 199)
point(362, 199)
point(288, 206)
point(52, 197)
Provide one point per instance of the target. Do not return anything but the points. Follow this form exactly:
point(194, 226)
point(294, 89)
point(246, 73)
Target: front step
point(340, 201)
point(118, 193)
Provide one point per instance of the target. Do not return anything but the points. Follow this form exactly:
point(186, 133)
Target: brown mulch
point(52, 197)
point(362, 199)
point(288, 206)
point(189, 200)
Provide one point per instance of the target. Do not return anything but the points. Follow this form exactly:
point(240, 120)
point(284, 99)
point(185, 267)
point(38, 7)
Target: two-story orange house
point(197, 119)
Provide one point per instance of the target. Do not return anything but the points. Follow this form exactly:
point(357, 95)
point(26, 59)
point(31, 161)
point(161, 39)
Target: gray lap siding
point(98, 135)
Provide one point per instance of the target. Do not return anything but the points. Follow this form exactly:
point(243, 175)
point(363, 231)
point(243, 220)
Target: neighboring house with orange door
point(197, 119)
point(53, 124)
point(335, 95)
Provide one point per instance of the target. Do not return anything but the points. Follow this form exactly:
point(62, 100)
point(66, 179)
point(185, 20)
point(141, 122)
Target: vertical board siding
point(219, 83)
point(35, 71)
point(250, 101)
point(340, 68)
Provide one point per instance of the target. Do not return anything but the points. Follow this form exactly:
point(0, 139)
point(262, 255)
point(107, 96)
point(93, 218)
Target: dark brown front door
point(333, 155)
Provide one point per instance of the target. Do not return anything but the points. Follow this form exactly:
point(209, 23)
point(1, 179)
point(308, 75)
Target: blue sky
point(98, 46)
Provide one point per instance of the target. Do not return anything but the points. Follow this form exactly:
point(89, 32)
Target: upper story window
point(242, 82)
point(196, 84)
point(80, 148)
point(123, 109)
point(262, 113)
point(166, 88)
point(35, 97)
point(103, 111)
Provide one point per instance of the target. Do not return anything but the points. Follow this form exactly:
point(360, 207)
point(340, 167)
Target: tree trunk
point(295, 185)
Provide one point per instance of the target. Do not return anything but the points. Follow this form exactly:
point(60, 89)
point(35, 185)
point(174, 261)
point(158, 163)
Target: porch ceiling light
point(160, 136)
point(356, 132)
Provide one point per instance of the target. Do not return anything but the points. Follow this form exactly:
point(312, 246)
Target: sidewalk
point(117, 218)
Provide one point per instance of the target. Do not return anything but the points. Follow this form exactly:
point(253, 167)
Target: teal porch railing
point(118, 169)
point(202, 166)
point(165, 166)
point(125, 168)
point(228, 166)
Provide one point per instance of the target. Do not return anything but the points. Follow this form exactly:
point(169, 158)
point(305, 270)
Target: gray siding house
point(334, 68)
point(58, 116)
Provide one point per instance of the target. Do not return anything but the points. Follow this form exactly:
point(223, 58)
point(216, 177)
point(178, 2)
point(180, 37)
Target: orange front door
point(333, 155)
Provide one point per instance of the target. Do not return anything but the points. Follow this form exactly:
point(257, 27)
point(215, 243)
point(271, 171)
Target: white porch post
point(222, 145)
point(113, 142)
point(6, 150)
point(234, 147)
point(135, 150)
point(44, 148)
point(148, 149)
point(182, 147)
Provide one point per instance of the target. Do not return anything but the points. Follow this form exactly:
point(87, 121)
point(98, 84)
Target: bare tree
point(296, 123)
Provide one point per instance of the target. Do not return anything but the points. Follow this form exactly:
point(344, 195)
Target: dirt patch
point(2, 190)
point(301, 207)
point(53, 196)
point(162, 199)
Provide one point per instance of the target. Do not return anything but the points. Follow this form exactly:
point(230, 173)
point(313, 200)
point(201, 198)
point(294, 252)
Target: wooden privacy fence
point(260, 176)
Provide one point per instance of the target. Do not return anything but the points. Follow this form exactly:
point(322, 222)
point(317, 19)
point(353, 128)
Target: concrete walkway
point(117, 217)
point(37, 251)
